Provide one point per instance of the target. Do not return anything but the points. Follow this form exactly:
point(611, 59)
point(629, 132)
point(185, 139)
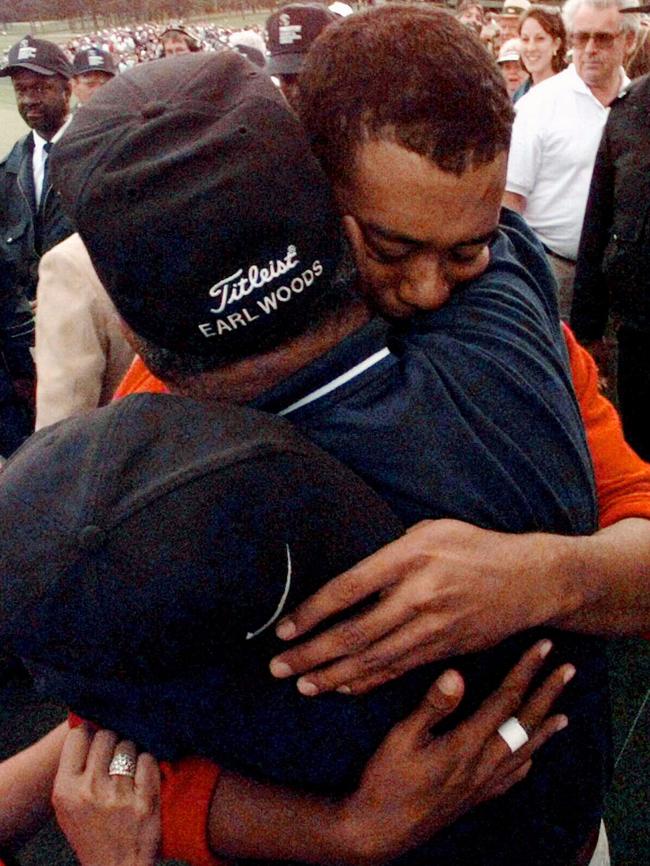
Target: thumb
point(442, 699)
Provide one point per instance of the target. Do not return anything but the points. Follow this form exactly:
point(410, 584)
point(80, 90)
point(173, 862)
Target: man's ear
point(355, 237)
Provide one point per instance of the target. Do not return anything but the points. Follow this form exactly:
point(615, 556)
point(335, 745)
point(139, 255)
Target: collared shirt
point(556, 133)
point(39, 157)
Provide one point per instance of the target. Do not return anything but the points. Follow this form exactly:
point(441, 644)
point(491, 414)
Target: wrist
point(572, 575)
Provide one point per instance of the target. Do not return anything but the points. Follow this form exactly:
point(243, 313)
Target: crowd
point(329, 317)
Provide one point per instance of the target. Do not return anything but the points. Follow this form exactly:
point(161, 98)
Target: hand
point(108, 820)
point(446, 588)
point(416, 784)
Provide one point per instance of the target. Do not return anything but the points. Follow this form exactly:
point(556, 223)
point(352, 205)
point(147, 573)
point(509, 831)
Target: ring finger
point(123, 764)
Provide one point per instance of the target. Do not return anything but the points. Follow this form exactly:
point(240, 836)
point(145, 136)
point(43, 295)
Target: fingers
point(441, 699)
point(147, 781)
point(370, 575)
point(75, 751)
point(123, 765)
point(507, 699)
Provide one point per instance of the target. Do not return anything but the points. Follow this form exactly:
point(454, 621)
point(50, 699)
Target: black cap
point(181, 30)
point(37, 55)
point(93, 60)
point(218, 231)
point(157, 537)
point(291, 31)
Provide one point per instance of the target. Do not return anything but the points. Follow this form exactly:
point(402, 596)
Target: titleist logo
point(236, 286)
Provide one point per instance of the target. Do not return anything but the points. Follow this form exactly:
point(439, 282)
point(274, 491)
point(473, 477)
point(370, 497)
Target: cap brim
point(93, 69)
point(32, 67)
point(285, 64)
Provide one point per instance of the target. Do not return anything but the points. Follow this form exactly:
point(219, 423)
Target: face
point(537, 47)
point(84, 85)
point(416, 230)
point(509, 25)
point(472, 18)
point(599, 46)
point(175, 44)
point(514, 75)
point(43, 100)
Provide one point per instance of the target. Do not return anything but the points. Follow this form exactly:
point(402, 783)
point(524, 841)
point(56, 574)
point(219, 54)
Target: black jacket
point(613, 269)
point(24, 236)
point(22, 242)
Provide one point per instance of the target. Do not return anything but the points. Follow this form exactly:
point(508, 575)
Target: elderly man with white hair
point(558, 128)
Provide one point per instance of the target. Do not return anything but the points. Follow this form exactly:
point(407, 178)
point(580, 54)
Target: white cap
point(514, 7)
point(341, 9)
point(510, 50)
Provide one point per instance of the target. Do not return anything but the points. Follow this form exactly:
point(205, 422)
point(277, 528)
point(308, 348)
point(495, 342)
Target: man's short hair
point(412, 74)
point(629, 23)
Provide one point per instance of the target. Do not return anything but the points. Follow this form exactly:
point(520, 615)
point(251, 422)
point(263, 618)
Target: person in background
point(31, 220)
point(470, 13)
point(508, 19)
point(177, 39)
point(543, 41)
point(509, 62)
point(557, 130)
point(91, 68)
point(290, 33)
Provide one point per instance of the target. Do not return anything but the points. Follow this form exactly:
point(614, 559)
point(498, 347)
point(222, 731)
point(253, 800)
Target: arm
point(428, 610)
point(414, 785)
point(26, 785)
point(514, 201)
point(79, 344)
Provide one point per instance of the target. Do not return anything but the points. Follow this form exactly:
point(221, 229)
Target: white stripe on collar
point(336, 383)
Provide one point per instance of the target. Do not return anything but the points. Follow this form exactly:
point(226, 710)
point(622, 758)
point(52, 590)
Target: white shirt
point(39, 156)
point(555, 137)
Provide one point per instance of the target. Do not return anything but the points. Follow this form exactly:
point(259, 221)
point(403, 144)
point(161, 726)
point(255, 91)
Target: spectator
point(176, 40)
point(291, 31)
point(509, 62)
point(81, 353)
point(557, 130)
point(91, 68)
point(509, 18)
point(614, 257)
point(31, 219)
point(470, 13)
point(543, 45)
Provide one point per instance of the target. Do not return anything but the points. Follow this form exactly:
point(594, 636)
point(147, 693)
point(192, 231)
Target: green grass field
point(11, 126)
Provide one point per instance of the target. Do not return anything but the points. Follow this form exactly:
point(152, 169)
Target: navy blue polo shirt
point(468, 413)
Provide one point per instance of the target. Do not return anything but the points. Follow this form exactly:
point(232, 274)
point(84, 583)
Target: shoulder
point(11, 160)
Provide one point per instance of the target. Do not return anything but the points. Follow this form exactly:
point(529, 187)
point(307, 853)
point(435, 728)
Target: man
point(291, 31)
point(91, 68)
point(471, 15)
point(176, 40)
point(557, 130)
point(614, 257)
point(509, 17)
point(31, 218)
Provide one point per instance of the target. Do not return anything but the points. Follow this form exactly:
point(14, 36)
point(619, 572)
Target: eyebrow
point(396, 237)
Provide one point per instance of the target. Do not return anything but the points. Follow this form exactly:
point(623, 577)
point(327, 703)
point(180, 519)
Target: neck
point(608, 93)
point(245, 380)
point(536, 77)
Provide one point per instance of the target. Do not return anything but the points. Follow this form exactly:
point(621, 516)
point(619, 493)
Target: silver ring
point(122, 765)
point(513, 734)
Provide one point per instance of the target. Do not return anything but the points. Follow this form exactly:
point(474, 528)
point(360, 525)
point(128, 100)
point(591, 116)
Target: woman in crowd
point(543, 45)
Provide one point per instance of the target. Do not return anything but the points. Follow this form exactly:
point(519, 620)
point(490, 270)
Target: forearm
point(26, 786)
point(253, 820)
point(610, 572)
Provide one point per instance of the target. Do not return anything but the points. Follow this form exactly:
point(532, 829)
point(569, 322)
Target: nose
point(425, 285)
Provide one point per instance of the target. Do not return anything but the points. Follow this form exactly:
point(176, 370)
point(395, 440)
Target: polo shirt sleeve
point(526, 148)
point(622, 478)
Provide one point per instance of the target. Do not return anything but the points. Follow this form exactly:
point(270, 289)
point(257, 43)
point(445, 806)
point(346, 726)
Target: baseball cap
point(37, 55)
point(291, 31)
point(192, 40)
point(514, 7)
point(158, 539)
point(510, 50)
point(93, 60)
point(206, 216)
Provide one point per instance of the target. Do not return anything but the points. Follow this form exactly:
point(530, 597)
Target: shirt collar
point(40, 142)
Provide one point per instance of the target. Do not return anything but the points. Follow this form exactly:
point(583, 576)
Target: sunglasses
point(600, 40)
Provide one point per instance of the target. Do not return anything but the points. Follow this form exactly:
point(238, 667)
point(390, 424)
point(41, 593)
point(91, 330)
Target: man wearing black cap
point(31, 218)
point(91, 68)
point(291, 31)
